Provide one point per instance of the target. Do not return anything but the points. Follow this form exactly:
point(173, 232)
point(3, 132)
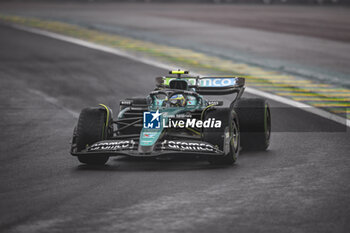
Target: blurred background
point(320, 2)
point(297, 50)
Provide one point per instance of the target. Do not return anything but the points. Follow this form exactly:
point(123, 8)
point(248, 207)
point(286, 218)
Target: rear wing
point(207, 85)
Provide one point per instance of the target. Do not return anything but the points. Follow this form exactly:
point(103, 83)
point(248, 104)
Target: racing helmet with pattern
point(177, 101)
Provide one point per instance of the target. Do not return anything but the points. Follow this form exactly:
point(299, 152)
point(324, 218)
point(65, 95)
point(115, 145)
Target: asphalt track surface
point(301, 184)
point(310, 41)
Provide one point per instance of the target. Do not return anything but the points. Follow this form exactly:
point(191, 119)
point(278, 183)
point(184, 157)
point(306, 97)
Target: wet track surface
point(303, 40)
point(300, 184)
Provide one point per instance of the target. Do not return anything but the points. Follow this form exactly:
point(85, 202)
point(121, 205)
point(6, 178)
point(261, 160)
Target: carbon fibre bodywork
point(132, 136)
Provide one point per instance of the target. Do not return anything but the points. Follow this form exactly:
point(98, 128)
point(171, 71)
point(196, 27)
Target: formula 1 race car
point(175, 120)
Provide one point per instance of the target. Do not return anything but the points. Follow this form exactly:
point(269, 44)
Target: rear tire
point(92, 128)
point(216, 136)
point(255, 123)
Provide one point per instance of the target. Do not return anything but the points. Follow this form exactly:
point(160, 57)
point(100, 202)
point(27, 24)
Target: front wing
point(165, 147)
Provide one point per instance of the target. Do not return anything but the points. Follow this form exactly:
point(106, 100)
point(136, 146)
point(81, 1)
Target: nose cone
point(146, 149)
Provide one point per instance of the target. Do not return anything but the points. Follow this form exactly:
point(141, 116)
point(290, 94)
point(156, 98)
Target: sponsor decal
point(187, 146)
point(208, 82)
point(151, 120)
point(125, 102)
point(217, 82)
point(149, 135)
point(112, 145)
point(146, 141)
point(215, 103)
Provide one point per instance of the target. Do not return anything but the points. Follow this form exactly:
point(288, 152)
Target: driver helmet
point(177, 101)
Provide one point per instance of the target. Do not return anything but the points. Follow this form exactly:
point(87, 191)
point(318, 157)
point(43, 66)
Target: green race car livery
point(176, 120)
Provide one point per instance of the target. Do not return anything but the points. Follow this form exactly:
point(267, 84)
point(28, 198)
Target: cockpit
point(174, 100)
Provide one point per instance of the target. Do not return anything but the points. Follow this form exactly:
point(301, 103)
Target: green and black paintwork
point(127, 135)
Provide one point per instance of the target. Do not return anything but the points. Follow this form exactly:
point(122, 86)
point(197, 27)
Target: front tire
point(93, 126)
point(216, 136)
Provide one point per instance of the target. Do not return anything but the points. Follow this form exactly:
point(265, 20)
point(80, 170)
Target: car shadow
point(134, 164)
point(151, 164)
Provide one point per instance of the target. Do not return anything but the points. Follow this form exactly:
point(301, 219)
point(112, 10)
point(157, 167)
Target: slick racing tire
point(216, 136)
point(92, 128)
point(255, 123)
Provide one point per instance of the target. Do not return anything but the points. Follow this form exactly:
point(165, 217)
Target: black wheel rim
point(268, 124)
point(234, 136)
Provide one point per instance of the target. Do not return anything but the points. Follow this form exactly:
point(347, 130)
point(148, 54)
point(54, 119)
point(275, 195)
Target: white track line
point(154, 63)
